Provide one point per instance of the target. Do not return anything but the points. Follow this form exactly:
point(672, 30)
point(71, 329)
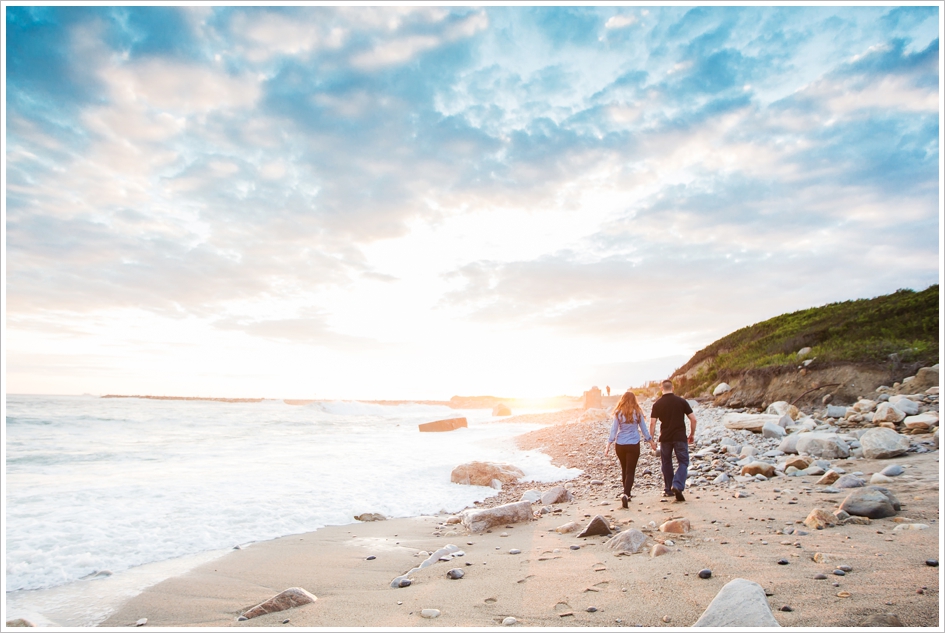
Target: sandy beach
point(560, 580)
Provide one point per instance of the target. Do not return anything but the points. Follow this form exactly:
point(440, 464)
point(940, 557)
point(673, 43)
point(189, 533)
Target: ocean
point(106, 496)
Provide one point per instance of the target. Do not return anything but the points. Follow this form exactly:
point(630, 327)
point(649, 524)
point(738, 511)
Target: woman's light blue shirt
point(626, 433)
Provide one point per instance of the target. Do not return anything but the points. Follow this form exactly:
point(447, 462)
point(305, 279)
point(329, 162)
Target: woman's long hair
point(628, 406)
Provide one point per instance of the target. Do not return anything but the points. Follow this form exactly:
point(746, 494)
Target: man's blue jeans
point(677, 481)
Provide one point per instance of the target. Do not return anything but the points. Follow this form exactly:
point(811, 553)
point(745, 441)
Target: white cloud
point(620, 21)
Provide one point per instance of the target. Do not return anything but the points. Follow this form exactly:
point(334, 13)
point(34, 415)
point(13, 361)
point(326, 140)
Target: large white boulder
point(781, 408)
point(740, 603)
point(722, 387)
point(888, 412)
point(923, 421)
point(753, 422)
point(482, 520)
point(483, 473)
point(822, 445)
point(883, 443)
point(904, 404)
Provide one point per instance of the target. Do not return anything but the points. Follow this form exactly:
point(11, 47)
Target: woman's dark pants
point(628, 454)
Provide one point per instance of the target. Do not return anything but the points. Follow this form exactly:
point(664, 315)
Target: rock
point(482, 520)
point(740, 603)
point(789, 443)
point(819, 519)
point(676, 526)
point(721, 479)
point(727, 441)
point(721, 388)
point(403, 582)
point(883, 443)
point(753, 422)
point(849, 481)
point(822, 445)
point(872, 502)
point(782, 408)
point(785, 421)
point(501, 409)
point(455, 574)
point(558, 494)
point(879, 478)
point(829, 477)
point(924, 379)
point(658, 550)
point(893, 470)
point(834, 411)
point(705, 574)
point(370, 516)
point(922, 421)
point(801, 353)
point(904, 405)
point(910, 526)
point(932, 562)
point(747, 451)
point(887, 412)
point(288, 599)
point(783, 561)
point(758, 468)
point(141, 622)
point(483, 473)
point(773, 431)
point(509, 621)
point(571, 526)
point(19, 622)
point(443, 425)
point(596, 527)
point(629, 541)
point(799, 462)
point(514, 551)
point(882, 619)
point(531, 496)
point(863, 405)
point(430, 613)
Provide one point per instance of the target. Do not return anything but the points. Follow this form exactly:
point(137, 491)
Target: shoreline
point(551, 584)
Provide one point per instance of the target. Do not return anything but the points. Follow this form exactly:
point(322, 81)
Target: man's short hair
point(667, 385)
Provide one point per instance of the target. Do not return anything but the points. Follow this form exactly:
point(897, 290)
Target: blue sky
point(422, 201)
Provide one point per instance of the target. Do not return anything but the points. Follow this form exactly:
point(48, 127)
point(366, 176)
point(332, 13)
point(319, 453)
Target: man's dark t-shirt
point(671, 411)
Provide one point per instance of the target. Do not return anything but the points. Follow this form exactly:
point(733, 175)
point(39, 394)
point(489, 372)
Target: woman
point(629, 425)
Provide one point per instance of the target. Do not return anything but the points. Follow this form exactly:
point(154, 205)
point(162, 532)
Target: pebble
point(242, 618)
point(845, 568)
point(515, 551)
point(371, 557)
point(820, 577)
point(455, 574)
point(843, 594)
point(782, 561)
point(141, 622)
point(932, 562)
point(575, 547)
point(509, 621)
point(786, 608)
point(666, 618)
point(839, 572)
point(286, 621)
point(592, 609)
point(705, 573)
point(404, 582)
point(430, 613)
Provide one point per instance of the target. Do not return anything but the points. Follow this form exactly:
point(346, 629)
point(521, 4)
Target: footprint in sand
point(526, 578)
point(490, 601)
point(562, 606)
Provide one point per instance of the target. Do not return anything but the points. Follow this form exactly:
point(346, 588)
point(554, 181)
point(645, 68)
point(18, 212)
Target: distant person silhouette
point(608, 391)
point(671, 411)
point(629, 426)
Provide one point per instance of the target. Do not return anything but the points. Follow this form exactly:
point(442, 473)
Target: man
point(671, 411)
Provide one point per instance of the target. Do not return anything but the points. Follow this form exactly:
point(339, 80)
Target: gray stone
point(887, 412)
point(904, 405)
point(629, 541)
point(482, 520)
point(774, 431)
point(596, 527)
point(883, 443)
point(558, 494)
point(835, 411)
point(893, 470)
point(531, 496)
point(786, 421)
point(455, 574)
point(823, 445)
point(740, 603)
point(727, 441)
point(849, 481)
point(789, 443)
point(721, 479)
point(430, 613)
point(288, 599)
point(873, 502)
point(721, 388)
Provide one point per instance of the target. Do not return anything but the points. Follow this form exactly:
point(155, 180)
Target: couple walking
point(629, 428)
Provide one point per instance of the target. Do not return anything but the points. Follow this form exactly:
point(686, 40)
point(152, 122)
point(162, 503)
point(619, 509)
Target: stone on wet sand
point(740, 603)
point(893, 470)
point(482, 520)
point(818, 519)
point(483, 473)
point(828, 478)
point(509, 621)
point(849, 481)
point(288, 599)
point(872, 502)
point(910, 526)
point(879, 478)
point(658, 550)
point(676, 526)
point(758, 468)
point(558, 494)
point(822, 445)
point(883, 443)
point(629, 541)
point(430, 613)
point(455, 574)
point(370, 516)
point(596, 527)
point(570, 526)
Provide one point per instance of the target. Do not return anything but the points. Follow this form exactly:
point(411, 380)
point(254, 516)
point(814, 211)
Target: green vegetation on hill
point(904, 323)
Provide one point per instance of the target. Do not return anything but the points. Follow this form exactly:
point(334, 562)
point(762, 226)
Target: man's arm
point(652, 427)
point(692, 427)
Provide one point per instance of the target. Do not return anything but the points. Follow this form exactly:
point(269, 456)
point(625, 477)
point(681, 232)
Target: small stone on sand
point(705, 573)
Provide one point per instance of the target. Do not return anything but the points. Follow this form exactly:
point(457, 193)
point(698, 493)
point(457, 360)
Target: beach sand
point(549, 584)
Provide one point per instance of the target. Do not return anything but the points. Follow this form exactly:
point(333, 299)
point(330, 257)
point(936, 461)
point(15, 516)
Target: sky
point(421, 202)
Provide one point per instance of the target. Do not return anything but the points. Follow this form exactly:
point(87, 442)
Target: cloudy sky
point(417, 202)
